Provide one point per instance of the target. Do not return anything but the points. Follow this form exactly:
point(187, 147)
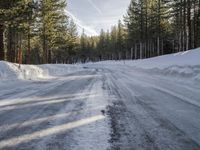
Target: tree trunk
point(198, 26)
point(184, 38)
point(45, 53)
point(49, 56)
point(141, 50)
point(44, 47)
point(194, 33)
point(2, 57)
point(146, 29)
point(136, 51)
point(173, 47)
point(153, 49)
point(189, 24)
point(162, 47)
point(131, 53)
point(158, 46)
point(159, 29)
point(29, 46)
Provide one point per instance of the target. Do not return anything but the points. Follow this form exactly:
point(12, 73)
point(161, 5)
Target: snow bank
point(6, 71)
point(186, 64)
point(188, 58)
point(11, 71)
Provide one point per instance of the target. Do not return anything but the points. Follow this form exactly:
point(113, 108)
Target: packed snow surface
point(151, 104)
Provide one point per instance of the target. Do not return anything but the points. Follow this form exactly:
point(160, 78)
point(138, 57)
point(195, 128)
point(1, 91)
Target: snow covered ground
point(144, 105)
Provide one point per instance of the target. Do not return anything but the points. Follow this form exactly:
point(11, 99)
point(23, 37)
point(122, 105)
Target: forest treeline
point(35, 32)
point(151, 28)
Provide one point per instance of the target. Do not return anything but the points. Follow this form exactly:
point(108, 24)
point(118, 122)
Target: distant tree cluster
point(109, 45)
point(41, 32)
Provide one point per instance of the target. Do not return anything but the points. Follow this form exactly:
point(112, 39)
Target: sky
point(94, 15)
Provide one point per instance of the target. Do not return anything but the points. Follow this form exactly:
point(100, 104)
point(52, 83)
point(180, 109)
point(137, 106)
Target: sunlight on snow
point(6, 127)
point(23, 103)
point(47, 132)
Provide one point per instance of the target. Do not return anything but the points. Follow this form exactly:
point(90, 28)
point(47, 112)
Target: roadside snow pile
point(182, 59)
point(6, 71)
point(12, 71)
point(185, 64)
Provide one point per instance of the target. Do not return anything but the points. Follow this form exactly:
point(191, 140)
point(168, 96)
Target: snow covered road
point(152, 111)
point(64, 113)
point(143, 111)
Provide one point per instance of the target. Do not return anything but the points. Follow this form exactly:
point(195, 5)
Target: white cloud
point(95, 7)
point(94, 15)
point(88, 30)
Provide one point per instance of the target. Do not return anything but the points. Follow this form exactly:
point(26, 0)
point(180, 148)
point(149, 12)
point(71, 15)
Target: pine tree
point(53, 26)
point(113, 42)
point(72, 40)
point(102, 45)
point(120, 41)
